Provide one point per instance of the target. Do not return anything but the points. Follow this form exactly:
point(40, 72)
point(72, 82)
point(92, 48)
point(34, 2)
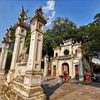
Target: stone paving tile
point(55, 90)
point(82, 94)
point(74, 91)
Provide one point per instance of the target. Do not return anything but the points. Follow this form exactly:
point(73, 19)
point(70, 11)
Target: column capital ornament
point(22, 19)
point(7, 37)
point(39, 16)
point(39, 10)
point(23, 15)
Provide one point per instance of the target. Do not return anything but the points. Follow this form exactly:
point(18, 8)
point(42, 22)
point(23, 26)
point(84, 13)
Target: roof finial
point(39, 10)
point(23, 15)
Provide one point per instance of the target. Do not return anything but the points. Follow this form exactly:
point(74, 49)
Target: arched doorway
point(76, 72)
point(65, 67)
point(54, 70)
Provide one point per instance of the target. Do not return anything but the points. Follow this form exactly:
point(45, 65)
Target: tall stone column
point(5, 57)
point(15, 52)
point(5, 46)
point(80, 70)
point(20, 34)
point(81, 78)
point(22, 40)
point(17, 48)
point(46, 65)
point(0, 51)
point(33, 73)
point(2, 55)
point(31, 89)
point(57, 67)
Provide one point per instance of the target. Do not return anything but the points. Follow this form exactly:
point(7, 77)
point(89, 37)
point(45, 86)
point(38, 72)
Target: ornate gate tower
point(3, 58)
point(29, 88)
point(20, 34)
point(35, 53)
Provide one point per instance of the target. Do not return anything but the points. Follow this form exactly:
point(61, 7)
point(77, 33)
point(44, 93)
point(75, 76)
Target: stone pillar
point(33, 73)
point(2, 55)
point(15, 52)
point(14, 58)
point(0, 51)
point(31, 89)
point(5, 46)
point(22, 40)
point(57, 67)
point(81, 78)
point(81, 70)
point(5, 57)
point(20, 34)
point(46, 65)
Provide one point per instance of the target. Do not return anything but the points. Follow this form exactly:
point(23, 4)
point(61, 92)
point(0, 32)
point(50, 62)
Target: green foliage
point(27, 39)
point(8, 62)
point(28, 36)
point(89, 35)
point(12, 33)
point(48, 45)
point(91, 46)
point(97, 19)
point(63, 29)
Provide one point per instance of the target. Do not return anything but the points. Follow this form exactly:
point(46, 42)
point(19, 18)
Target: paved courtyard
point(55, 90)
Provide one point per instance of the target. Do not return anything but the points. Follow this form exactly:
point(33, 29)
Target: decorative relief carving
point(39, 35)
point(20, 79)
point(23, 15)
point(22, 30)
point(40, 26)
point(23, 58)
point(27, 80)
point(7, 37)
point(39, 10)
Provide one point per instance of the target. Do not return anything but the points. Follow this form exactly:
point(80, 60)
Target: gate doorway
point(65, 67)
point(54, 70)
point(76, 72)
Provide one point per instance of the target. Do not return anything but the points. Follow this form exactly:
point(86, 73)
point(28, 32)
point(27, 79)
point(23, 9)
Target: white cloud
point(50, 6)
point(51, 18)
point(50, 9)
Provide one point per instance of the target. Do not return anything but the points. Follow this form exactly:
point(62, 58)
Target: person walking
point(65, 76)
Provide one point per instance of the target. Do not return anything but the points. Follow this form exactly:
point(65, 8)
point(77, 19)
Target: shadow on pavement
point(49, 90)
point(50, 79)
point(95, 84)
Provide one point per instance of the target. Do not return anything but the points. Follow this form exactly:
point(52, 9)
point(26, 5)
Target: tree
point(97, 19)
point(9, 56)
point(92, 46)
point(62, 29)
point(27, 39)
point(8, 62)
point(48, 45)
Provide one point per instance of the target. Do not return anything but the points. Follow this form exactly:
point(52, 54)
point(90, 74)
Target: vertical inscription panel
point(38, 55)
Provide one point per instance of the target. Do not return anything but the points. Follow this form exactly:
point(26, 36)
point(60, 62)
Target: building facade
point(67, 57)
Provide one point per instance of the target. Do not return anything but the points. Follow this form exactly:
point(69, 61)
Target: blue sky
point(79, 11)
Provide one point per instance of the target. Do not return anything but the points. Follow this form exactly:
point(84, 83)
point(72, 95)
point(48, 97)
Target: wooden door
point(54, 70)
point(76, 72)
point(63, 69)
